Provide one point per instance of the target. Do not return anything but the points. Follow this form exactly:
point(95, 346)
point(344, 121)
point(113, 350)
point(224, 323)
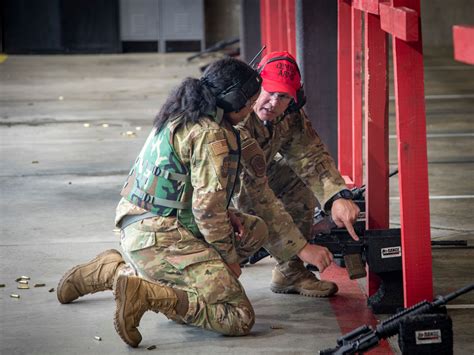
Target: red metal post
point(356, 54)
point(279, 24)
point(412, 164)
point(376, 131)
point(291, 26)
point(277, 18)
point(344, 89)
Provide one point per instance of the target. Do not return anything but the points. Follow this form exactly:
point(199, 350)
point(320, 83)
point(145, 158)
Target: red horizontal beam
point(349, 182)
point(400, 22)
point(463, 40)
point(370, 6)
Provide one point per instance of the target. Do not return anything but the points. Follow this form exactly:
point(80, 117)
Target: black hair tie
point(205, 81)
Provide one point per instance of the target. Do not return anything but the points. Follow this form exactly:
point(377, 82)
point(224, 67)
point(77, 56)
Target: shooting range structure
point(401, 20)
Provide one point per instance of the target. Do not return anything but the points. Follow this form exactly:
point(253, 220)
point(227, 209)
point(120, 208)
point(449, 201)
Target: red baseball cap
point(280, 73)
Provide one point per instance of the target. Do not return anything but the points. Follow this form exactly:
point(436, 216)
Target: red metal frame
point(356, 57)
point(412, 164)
point(400, 19)
point(277, 23)
point(344, 90)
point(350, 86)
point(376, 128)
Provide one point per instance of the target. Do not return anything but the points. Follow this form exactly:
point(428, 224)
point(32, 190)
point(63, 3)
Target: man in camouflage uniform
point(300, 173)
point(177, 233)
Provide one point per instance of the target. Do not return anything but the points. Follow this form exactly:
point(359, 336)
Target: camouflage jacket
point(294, 138)
point(254, 195)
point(204, 149)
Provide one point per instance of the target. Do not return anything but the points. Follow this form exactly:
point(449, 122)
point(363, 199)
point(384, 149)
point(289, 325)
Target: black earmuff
point(294, 106)
point(297, 105)
point(236, 96)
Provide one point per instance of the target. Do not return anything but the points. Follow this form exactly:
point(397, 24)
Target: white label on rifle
point(391, 252)
point(432, 336)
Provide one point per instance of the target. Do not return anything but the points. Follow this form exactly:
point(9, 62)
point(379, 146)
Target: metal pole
point(316, 47)
point(250, 39)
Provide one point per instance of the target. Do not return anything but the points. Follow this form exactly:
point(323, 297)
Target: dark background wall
point(222, 20)
point(60, 26)
point(438, 18)
point(70, 26)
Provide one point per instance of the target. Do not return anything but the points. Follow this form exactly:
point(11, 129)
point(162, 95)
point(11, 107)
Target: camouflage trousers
point(299, 202)
point(160, 250)
point(298, 199)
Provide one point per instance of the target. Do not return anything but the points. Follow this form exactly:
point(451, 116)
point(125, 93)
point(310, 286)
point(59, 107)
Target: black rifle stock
point(364, 338)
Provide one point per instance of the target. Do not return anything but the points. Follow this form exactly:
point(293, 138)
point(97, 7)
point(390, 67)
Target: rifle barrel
point(440, 300)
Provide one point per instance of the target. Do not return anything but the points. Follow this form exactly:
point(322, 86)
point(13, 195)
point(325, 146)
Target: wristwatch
point(345, 194)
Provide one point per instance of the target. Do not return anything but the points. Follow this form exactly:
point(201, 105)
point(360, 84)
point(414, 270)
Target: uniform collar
point(219, 115)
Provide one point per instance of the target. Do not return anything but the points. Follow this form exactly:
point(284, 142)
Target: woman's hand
point(235, 268)
point(237, 225)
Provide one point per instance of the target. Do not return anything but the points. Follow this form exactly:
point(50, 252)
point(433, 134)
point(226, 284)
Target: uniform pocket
point(181, 262)
point(133, 238)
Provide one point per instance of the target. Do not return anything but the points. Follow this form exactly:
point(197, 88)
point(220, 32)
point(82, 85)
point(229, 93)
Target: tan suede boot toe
point(93, 276)
point(305, 284)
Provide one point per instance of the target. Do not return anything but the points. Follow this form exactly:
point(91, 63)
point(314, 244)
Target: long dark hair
point(195, 98)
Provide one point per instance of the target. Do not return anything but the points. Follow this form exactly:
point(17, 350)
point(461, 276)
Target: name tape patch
point(219, 147)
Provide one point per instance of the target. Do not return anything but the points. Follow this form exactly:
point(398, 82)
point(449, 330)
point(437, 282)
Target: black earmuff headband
point(235, 97)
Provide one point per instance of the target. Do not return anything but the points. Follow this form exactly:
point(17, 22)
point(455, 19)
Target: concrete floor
point(60, 183)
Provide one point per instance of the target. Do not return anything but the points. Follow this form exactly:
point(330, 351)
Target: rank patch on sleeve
point(219, 147)
point(258, 165)
point(253, 156)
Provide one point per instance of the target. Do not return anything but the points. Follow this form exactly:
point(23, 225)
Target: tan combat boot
point(93, 276)
point(133, 297)
point(293, 277)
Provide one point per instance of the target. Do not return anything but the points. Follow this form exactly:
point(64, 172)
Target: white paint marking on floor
point(460, 306)
point(441, 135)
point(444, 97)
point(445, 197)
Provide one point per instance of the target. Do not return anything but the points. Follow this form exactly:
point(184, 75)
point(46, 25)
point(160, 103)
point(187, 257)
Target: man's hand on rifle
point(316, 255)
point(344, 213)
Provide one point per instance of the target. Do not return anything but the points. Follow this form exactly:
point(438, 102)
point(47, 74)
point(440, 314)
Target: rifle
point(365, 337)
point(347, 252)
point(216, 47)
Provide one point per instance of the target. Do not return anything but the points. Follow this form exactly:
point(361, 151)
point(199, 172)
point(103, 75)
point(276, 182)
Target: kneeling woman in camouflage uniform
point(177, 234)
